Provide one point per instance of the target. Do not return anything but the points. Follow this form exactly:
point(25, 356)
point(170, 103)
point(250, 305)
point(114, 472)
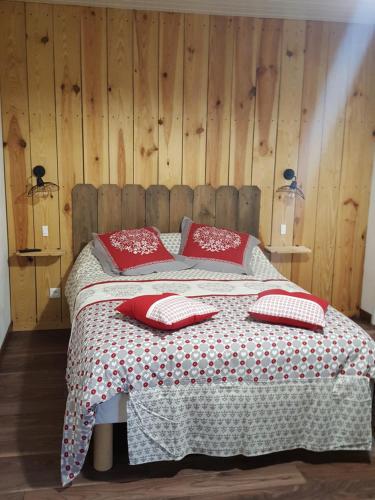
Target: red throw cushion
point(298, 309)
point(167, 311)
point(132, 248)
point(215, 249)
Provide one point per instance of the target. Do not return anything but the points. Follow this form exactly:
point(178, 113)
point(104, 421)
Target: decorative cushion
point(298, 309)
point(214, 249)
point(134, 252)
point(167, 311)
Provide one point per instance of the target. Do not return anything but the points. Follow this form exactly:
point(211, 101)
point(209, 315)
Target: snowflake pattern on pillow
point(213, 239)
point(135, 241)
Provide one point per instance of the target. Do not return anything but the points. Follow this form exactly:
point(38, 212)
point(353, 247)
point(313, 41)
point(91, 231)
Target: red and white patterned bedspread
point(226, 386)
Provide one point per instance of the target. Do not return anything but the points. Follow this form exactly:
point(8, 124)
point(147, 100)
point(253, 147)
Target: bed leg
point(103, 447)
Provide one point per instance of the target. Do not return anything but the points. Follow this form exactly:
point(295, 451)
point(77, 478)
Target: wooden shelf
point(288, 249)
point(43, 253)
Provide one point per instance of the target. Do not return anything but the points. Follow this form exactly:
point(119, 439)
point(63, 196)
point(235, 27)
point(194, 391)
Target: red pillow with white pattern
point(167, 311)
point(298, 309)
point(215, 249)
point(134, 249)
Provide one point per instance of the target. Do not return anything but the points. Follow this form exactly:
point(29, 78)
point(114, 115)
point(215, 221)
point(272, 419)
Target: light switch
point(44, 230)
point(283, 229)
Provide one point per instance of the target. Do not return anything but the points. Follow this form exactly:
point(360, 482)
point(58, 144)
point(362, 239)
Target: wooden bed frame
point(110, 208)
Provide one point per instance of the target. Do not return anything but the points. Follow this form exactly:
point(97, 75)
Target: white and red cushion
point(298, 309)
point(167, 311)
point(215, 249)
point(134, 248)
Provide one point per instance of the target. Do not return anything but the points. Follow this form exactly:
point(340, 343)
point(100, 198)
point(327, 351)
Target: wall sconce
point(42, 188)
point(292, 189)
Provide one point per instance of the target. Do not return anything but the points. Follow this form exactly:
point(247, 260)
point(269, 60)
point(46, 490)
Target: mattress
point(224, 387)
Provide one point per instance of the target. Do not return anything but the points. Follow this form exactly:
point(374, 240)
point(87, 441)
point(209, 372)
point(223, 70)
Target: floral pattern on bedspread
point(231, 354)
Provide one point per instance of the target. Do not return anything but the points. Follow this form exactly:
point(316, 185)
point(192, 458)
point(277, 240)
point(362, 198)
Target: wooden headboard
point(110, 208)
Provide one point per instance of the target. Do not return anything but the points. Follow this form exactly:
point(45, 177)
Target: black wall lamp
point(292, 188)
point(41, 188)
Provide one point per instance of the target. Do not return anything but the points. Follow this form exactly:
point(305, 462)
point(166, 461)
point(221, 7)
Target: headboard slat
point(180, 205)
point(157, 208)
point(133, 214)
point(204, 205)
point(249, 209)
point(227, 207)
point(109, 208)
point(85, 215)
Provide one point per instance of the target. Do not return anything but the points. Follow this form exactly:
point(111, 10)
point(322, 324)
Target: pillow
point(215, 249)
point(167, 311)
point(134, 252)
point(298, 309)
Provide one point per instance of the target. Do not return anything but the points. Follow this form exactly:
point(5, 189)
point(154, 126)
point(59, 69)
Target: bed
point(225, 387)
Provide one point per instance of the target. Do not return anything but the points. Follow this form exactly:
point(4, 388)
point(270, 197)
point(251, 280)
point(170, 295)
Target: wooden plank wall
point(103, 95)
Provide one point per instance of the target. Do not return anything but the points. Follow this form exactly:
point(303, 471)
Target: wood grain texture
point(181, 205)
point(195, 99)
point(204, 206)
point(15, 124)
point(85, 215)
point(266, 113)
point(41, 87)
point(310, 144)
point(109, 208)
point(245, 55)
point(94, 98)
point(129, 98)
point(120, 96)
point(133, 207)
point(219, 100)
point(291, 85)
point(354, 187)
point(330, 163)
point(249, 206)
point(171, 51)
point(68, 95)
point(157, 208)
point(146, 138)
point(227, 207)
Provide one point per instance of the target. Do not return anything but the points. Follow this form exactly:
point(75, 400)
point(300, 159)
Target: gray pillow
point(216, 264)
point(108, 266)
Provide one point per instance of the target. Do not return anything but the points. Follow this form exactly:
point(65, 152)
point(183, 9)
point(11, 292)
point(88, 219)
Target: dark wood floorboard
point(32, 387)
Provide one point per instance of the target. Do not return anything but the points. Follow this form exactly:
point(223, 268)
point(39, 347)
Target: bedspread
point(224, 387)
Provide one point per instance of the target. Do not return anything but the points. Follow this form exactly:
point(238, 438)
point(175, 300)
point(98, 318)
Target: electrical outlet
point(54, 293)
point(44, 230)
point(283, 229)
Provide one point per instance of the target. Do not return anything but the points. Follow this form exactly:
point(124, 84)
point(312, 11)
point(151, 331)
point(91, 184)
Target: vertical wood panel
point(330, 165)
point(95, 102)
point(146, 98)
point(170, 98)
point(15, 120)
point(355, 172)
point(120, 95)
point(181, 205)
point(133, 207)
point(249, 198)
point(41, 85)
point(227, 207)
point(310, 147)
point(204, 205)
point(245, 53)
point(195, 99)
point(288, 133)
point(67, 42)
point(109, 208)
point(219, 99)
point(266, 112)
point(85, 215)
point(157, 208)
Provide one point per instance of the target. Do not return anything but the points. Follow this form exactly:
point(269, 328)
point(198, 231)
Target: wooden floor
point(32, 389)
